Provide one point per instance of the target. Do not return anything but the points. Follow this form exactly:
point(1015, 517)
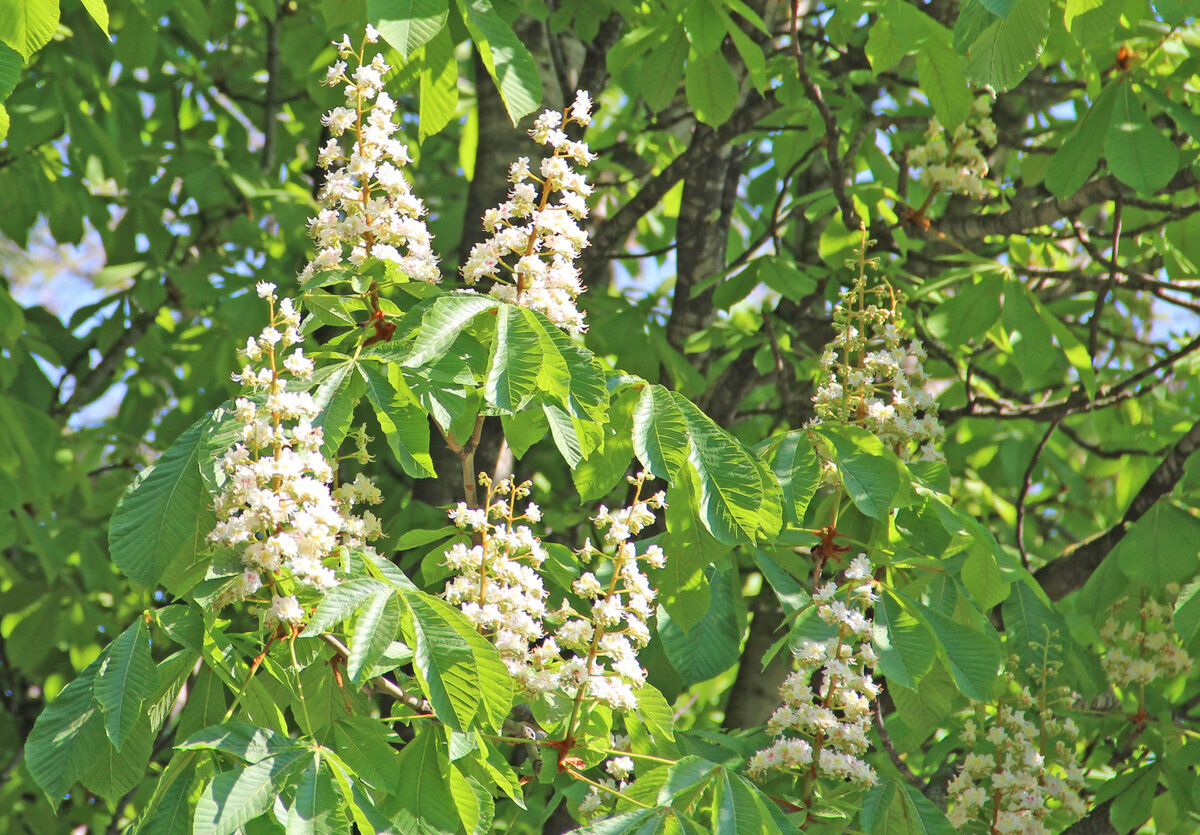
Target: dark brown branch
point(1070, 571)
point(1026, 483)
point(611, 234)
point(968, 228)
point(833, 138)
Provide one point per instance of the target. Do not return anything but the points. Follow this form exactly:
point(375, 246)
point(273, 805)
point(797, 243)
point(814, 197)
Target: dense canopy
point(831, 368)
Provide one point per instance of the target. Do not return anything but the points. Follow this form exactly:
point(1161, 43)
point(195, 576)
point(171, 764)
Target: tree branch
point(1070, 571)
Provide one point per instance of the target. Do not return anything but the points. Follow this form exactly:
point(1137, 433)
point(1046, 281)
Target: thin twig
point(1026, 483)
point(382, 682)
point(894, 755)
point(832, 134)
point(1102, 294)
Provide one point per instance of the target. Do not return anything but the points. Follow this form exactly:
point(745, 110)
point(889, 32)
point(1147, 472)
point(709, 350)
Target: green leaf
point(739, 497)
point(981, 575)
point(904, 643)
point(1033, 352)
point(1075, 8)
point(1004, 53)
point(316, 809)
point(404, 422)
point(922, 711)
point(514, 363)
point(236, 797)
point(563, 431)
point(338, 390)
point(659, 433)
point(374, 631)
point(704, 24)
point(342, 601)
point(1187, 616)
point(439, 85)
point(1137, 152)
point(969, 313)
point(974, 657)
point(662, 68)
point(1160, 548)
point(165, 514)
point(1133, 806)
point(173, 813)
point(441, 322)
point(894, 808)
point(125, 679)
point(248, 743)
point(682, 585)
point(67, 738)
point(363, 743)
point(713, 645)
point(459, 671)
point(712, 88)
point(507, 60)
point(870, 472)
point(28, 25)
point(407, 25)
point(10, 70)
point(112, 774)
point(423, 802)
point(99, 13)
point(884, 49)
point(796, 466)
point(940, 72)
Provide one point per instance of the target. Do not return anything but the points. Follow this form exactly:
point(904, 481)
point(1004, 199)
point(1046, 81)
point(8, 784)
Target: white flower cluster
point(825, 730)
point(1142, 647)
point(367, 208)
point(1019, 772)
point(957, 165)
point(541, 238)
point(276, 506)
point(498, 587)
point(870, 378)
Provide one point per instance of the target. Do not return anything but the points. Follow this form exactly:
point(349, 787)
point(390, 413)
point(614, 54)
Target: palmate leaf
point(1004, 52)
point(338, 389)
point(439, 85)
point(236, 797)
point(341, 602)
point(114, 773)
point(659, 433)
point(438, 324)
point(317, 807)
point(67, 738)
point(713, 644)
point(871, 473)
point(165, 514)
point(904, 643)
point(125, 679)
point(740, 499)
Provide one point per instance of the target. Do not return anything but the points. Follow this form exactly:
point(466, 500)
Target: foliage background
point(176, 141)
